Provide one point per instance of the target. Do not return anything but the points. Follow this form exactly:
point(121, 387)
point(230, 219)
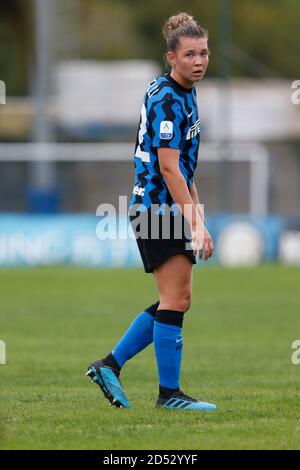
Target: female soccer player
point(166, 216)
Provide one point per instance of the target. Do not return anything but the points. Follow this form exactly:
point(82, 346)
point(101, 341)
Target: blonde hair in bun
point(179, 25)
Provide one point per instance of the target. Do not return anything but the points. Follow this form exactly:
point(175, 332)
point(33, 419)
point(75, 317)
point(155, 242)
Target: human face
point(189, 61)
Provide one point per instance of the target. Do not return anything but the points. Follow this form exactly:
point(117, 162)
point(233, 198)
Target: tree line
point(264, 38)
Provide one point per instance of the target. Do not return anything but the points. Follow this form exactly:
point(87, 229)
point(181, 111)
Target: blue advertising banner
point(87, 240)
point(34, 240)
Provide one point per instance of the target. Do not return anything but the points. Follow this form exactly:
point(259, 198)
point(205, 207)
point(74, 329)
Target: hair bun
point(177, 21)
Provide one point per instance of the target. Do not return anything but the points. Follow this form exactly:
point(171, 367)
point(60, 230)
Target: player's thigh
point(174, 281)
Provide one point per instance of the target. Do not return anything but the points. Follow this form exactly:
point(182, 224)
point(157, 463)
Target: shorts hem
point(150, 269)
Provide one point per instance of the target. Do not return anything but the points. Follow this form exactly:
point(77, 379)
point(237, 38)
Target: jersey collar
point(186, 90)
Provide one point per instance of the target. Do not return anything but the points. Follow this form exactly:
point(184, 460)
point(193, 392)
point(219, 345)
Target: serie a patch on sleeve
point(166, 130)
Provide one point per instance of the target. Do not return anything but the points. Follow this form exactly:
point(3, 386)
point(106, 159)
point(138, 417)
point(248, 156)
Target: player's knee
point(180, 305)
point(187, 305)
point(185, 302)
point(180, 302)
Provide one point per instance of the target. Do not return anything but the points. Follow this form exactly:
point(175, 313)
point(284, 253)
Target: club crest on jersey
point(166, 130)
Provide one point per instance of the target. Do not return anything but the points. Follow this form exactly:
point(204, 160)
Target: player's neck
point(182, 81)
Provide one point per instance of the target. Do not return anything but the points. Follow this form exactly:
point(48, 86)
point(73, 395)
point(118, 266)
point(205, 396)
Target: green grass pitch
point(237, 354)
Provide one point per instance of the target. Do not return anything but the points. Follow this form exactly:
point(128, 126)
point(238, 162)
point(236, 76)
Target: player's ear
point(171, 58)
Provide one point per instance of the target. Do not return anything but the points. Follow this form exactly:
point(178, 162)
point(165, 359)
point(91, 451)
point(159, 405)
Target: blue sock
point(168, 347)
point(138, 336)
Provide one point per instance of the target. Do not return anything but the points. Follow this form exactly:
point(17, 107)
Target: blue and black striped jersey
point(169, 119)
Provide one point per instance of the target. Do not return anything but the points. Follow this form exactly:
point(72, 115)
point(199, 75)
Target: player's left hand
point(208, 246)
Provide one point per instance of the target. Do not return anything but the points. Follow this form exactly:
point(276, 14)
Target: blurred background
point(74, 74)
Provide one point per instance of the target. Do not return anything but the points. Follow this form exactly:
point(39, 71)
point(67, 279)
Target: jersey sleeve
point(166, 121)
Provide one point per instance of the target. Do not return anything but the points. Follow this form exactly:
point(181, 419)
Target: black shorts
point(161, 238)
